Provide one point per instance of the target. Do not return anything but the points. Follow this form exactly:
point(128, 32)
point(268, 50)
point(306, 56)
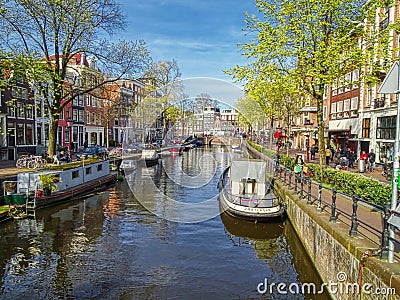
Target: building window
point(29, 111)
point(20, 134)
point(81, 116)
point(29, 134)
point(347, 82)
point(355, 79)
point(59, 135)
point(354, 106)
point(366, 128)
point(386, 128)
point(20, 110)
point(88, 118)
point(39, 109)
point(39, 134)
point(75, 174)
point(11, 111)
point(19, 92)
point(334, 86)
point(333, 110)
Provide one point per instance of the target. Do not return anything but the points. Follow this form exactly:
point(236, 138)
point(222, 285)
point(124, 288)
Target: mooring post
point(333, 213)
point(354, 224)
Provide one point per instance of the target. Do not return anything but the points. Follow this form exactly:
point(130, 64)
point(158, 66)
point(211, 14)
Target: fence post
point(354, 224)
point(290, 179)
point(309, 191)
point(302, 185)
point(295, 182)
point(319, 205)
point(385, 234)
point(333, 213)
point(284, 177)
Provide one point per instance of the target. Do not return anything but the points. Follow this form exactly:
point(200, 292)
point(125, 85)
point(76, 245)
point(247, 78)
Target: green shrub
point(369, 189)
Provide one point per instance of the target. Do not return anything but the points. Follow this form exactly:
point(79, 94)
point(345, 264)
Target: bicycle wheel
point(32, 164)
point(43, 163)
point(19, 163)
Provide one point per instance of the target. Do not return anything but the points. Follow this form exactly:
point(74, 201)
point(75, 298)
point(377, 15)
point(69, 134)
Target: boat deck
point(250, 200)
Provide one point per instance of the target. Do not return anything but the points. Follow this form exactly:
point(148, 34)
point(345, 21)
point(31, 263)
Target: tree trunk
point(52, 136)
point(321, 131)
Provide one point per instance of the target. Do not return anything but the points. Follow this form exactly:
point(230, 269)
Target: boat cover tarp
point(248, 169)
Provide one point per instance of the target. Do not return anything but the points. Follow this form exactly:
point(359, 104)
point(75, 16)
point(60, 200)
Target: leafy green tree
point(48, 34)
point(164, 89)
point(313, 42)
point(251, 114)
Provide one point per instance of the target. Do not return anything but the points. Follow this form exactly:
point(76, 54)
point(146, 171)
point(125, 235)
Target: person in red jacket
point(364, 156)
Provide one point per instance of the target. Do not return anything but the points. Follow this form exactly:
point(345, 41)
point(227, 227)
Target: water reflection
point(278, 245)
point(110, 246)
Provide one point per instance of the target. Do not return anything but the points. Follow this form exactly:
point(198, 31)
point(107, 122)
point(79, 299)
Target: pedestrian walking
point(312, 152)
point(371, 160)
point(328, 155)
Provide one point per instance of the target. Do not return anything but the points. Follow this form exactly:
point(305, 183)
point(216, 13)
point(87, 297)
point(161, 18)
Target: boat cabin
point(64, 179)
point(248, 177)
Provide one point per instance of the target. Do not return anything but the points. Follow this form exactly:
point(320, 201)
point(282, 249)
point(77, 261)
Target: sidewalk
point(376, 174)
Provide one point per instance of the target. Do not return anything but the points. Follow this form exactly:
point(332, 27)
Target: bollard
point(354, 224)
point(309, 191)
point(385, 234)
point(333, 214)
point(319, 205)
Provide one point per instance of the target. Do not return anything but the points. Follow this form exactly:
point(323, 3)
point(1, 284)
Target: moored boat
point(128, 166)
point(51, 187)
point(246, 192)
point(149, 157)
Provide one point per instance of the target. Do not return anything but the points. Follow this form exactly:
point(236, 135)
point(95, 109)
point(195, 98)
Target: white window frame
point(355, 78)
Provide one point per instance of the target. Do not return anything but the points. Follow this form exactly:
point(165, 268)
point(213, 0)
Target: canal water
point(153, 236)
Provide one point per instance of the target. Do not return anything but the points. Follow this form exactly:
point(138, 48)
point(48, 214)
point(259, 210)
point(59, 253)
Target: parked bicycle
point(30, 162)
point(387, 170)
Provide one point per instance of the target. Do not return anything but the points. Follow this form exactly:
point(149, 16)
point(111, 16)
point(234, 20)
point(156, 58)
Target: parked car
point(93, 151)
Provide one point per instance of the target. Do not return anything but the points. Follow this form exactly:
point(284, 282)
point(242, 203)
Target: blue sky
point(202, 35)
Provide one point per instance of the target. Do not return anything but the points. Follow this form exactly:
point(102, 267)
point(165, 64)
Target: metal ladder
point(30, 206)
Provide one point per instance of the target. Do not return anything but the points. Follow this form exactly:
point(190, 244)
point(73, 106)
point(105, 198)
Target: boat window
point(99, 167)
point(57, 178)
point(89, 170)
point(75, 174)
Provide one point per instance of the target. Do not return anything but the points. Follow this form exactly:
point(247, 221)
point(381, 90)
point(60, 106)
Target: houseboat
point(246, 192)
point(50, 187)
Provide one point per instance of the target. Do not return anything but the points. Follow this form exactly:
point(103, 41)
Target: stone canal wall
point(335, 254)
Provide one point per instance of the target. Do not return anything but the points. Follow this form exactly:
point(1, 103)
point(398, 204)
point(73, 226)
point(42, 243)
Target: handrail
point(353, 218)
point(313, 191)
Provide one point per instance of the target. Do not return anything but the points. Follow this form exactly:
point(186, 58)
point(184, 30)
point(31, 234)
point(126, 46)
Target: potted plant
point(49, 183)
